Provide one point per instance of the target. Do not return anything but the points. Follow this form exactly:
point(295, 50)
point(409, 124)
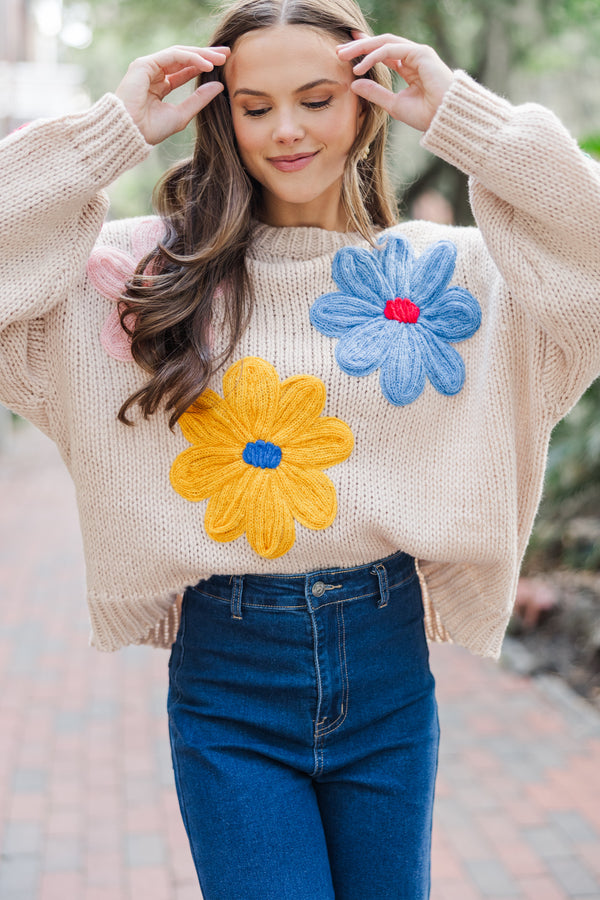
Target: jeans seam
point(316, 723)
point(344, 670)
point(248, 605)
point(371, 593)
point(342, 568)
point(273, 577)
point(181, 794)
point(174, 681)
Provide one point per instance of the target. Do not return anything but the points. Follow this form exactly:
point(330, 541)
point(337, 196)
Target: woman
point(339, 479)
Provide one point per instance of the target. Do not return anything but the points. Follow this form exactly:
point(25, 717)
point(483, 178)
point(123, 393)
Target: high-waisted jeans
point(304, 734)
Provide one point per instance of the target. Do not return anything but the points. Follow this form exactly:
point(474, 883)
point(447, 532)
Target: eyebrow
point(304, 87)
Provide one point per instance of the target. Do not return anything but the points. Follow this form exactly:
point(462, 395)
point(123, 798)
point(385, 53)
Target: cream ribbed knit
point(453, 480)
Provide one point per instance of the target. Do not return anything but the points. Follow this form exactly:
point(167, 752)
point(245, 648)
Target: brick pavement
point(87, 803)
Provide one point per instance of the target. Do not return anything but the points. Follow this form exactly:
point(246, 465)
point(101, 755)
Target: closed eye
point(255, 112)
point(318, 104)
point(308, 104)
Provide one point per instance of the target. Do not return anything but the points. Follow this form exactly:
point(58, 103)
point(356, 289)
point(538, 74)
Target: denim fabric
point(304, 734)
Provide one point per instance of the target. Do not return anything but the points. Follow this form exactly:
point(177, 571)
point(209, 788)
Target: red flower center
point(402, 310)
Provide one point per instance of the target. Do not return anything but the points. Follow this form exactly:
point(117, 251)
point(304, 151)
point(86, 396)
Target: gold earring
point(366, 151)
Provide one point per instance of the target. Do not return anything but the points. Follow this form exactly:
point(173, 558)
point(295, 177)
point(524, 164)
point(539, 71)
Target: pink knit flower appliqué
point(109, 269)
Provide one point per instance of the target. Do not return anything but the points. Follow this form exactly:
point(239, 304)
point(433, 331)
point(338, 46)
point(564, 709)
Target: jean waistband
point(316, 588)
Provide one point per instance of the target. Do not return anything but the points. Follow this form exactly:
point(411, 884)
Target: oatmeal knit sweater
point(381, 399)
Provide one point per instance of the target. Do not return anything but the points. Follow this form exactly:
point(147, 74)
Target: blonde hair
point(209, 203)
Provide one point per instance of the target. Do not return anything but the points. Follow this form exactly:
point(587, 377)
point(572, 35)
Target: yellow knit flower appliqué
point(258, 455)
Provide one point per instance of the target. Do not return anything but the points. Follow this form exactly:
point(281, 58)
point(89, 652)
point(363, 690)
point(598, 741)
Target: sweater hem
point(117, 623)
point(469, 624)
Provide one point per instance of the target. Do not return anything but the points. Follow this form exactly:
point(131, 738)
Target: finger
point(374, 93)
point(389, 53)
point(161, 84)
point(369, 42)
point(182, 77)
point(202, 96)
point(199, 64)
point(199, 51)
point(192, 105)
point(216, 49)
point(173, 59)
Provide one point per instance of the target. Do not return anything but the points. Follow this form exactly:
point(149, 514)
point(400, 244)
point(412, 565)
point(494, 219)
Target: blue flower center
point(262, 454)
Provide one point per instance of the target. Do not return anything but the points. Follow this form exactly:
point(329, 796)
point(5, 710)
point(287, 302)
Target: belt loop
point(236, 596)
point(384, 592)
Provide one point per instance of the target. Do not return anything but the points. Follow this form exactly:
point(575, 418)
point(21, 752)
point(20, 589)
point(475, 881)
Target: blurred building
point(34, 82)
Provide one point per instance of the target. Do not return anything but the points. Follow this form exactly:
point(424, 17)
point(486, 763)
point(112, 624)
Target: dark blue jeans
point(304, 734)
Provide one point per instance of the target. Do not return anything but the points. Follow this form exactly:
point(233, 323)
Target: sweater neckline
point(270, 243)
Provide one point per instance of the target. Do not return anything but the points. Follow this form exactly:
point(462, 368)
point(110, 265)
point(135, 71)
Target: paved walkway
point(87, 804)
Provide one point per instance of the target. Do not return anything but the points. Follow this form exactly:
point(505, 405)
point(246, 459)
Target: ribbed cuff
point(464, 127)
point(108, 139)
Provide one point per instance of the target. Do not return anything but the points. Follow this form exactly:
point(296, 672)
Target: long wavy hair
point(209, 203)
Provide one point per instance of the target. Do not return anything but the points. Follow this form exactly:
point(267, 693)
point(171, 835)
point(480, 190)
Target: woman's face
point(295, 119)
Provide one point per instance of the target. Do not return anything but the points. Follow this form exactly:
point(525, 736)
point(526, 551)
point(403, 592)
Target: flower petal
point(270, 525)
point(251, 388)
point(225, 516)
point(146, 236)
point(397, 260)
point(402, 376)
point(302, 400)
point(357, 272)
point(309, 494)
point(115, 341)
point(362, 350)
point(209, 422)
point(333, 314)
point(454, 316)
point(196, 474)
point(108, 269)
point(431, 272)
point(327, 442)
point(444, 365)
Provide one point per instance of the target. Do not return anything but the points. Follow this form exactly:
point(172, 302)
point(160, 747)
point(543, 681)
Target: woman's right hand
point(150, 79)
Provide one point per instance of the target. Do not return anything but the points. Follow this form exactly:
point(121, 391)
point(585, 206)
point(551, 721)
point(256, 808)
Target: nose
point(287, 128)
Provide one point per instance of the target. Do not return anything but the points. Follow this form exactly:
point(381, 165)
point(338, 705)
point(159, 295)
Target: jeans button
point(318, 589)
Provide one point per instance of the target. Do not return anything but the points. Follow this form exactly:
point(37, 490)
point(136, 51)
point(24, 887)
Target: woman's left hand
point(426, 76)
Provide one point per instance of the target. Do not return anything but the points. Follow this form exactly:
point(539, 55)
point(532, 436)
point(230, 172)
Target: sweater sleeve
point(536, 199)
point(52, 173)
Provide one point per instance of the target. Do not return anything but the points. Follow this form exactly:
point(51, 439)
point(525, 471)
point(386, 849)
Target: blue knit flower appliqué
point(395, 312)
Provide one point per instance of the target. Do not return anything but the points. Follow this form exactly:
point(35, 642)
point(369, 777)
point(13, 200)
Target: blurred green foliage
point(567, 530)
point(591, 144)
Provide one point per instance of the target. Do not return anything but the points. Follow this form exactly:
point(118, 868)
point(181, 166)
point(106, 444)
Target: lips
point(292, 163)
